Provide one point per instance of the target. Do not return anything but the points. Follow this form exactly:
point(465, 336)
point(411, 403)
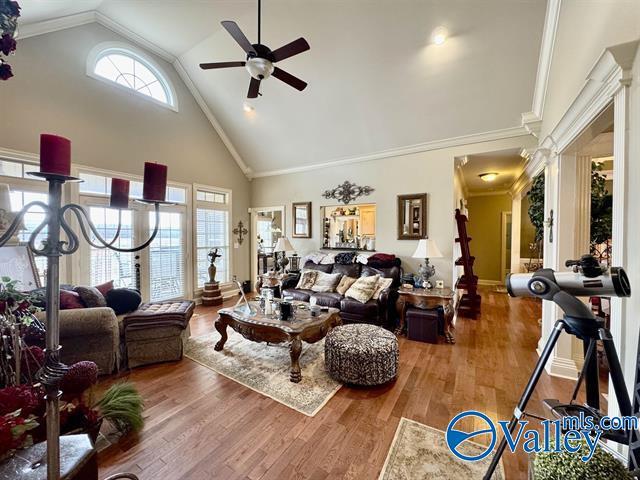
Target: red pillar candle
point(155, 182)
point(55, 154)
point(119, 193)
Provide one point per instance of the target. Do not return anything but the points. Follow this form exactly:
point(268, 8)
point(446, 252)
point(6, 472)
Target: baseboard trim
point(561, 367)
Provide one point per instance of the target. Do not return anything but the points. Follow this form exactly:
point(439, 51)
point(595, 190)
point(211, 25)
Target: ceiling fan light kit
point(260, 59)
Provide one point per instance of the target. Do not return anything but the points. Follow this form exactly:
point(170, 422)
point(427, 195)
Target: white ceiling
point(507, 163)
point(375, 81)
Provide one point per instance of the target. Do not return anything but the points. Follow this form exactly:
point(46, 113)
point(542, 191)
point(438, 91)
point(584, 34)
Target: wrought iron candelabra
point(53, 247)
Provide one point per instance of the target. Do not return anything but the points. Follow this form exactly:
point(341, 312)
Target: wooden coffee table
point(259, 327)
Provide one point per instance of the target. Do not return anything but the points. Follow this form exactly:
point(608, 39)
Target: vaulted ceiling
point(376, 82)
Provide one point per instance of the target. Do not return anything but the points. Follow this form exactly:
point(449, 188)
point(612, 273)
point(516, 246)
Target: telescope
point(587, 278)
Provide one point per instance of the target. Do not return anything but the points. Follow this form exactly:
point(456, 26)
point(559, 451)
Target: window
point(106, 264)
point(167, 257)
point(212, 231)
point(35, 216)
point(120, 64)
point(101, 185)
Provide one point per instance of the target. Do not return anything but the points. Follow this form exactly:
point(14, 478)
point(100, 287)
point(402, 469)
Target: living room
point(289, 261)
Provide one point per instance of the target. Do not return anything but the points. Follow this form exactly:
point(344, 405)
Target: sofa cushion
point(381, 285)
point(328, 299)
point(326, 282)
point(320, 268)
point(354, 307)
point(91, 297)
point(297, 294)
point(307, 279)
point(391, 272)
point(351, 270)
point(345, 284)
point(123, 300)
point(104, 288)
point(70, 300)
point(363, 288)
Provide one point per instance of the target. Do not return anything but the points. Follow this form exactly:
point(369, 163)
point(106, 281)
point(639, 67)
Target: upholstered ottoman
point(156, 332)
point(361, 354)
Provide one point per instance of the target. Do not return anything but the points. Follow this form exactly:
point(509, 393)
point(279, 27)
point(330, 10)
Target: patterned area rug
point(419, 452)
point(265, 369)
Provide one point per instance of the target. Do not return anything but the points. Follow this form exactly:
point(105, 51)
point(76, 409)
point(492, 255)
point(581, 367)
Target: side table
point(427, 300)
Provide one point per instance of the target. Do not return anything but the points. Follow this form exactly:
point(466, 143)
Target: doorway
point(505, 248)
point(267, 225)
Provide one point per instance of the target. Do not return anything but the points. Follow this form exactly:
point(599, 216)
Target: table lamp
point(282, 246)
point(427, 249)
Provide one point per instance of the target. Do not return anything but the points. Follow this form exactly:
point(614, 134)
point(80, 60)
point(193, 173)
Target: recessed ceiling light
point(488, 177)
point(247, 107)
point(439, 35)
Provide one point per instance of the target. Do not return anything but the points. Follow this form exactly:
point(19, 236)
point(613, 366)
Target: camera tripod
point(578, 320)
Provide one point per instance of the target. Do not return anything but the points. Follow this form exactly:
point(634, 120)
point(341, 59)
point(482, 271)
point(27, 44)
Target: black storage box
point(424, 325)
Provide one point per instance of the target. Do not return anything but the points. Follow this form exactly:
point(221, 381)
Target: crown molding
point(55, 24)
point(401, 151)
point(70, 21)
point(491, 193)
point(532, 120)
point(212, 119)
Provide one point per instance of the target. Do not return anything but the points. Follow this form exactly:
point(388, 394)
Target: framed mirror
point(349, 227)
point(412, 216)
point(301, 220)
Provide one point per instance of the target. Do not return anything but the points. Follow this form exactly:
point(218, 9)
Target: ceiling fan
point(260, 58)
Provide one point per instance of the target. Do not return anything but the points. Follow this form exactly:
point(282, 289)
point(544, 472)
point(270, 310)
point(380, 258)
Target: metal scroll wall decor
point(240, 231)
point(347, 192)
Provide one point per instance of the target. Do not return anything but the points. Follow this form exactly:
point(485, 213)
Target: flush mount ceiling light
point(247, 107)
point(488, 177)
point(439, 35)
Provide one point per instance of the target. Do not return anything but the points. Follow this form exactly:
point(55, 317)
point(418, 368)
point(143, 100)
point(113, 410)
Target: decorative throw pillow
point(363, 288)
point(345, 283)
point(105, 287)
point(91, 296)
point(307, 279)
point(362, 258)
point(70, 300)
point(326, 282)
point(381, 285)
point(328, 259)
point(123, 300)
point(315, 257)
point(345, 258)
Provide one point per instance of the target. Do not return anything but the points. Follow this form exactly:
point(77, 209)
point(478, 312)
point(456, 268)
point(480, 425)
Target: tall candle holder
point(53, 248)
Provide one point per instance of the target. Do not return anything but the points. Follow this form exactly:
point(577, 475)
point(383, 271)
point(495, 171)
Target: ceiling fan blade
point(254, 88)
point(208, 66)
point(238, 36)
point(289, 79)
point(290, 49)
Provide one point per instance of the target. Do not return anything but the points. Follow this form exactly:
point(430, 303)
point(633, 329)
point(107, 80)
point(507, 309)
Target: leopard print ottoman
point(361, 354)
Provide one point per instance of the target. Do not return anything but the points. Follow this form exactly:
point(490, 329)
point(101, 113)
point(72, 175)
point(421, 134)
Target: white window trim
point(76, 267)
point(103, 48)
point(228, 206)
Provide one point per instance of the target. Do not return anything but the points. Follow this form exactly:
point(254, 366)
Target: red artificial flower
point(7, 44)
point(5, 71)
point(26, 398)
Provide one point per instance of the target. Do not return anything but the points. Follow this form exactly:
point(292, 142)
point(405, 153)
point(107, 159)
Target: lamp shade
point(283, 245)
point(427, 248)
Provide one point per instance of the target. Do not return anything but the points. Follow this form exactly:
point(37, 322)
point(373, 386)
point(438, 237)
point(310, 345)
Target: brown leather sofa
point(380, 312)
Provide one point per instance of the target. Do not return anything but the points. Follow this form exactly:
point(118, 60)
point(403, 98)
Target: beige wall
point(585, 29)
point(485, 228)
point(431, 172)
point(111, 128)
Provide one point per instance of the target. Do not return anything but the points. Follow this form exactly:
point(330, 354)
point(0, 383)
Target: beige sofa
point(98, 335)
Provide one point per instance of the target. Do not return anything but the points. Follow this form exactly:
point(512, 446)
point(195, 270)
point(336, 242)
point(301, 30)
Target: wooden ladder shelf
point(469, 304)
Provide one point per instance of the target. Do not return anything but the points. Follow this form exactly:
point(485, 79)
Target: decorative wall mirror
point(349, 227)
point(412, 216)
point(301, 220)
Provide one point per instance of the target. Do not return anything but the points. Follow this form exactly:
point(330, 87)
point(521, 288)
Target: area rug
point(419, 452)
point(265, 369)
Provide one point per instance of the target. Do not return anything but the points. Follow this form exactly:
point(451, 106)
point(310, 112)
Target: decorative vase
point(212, 273)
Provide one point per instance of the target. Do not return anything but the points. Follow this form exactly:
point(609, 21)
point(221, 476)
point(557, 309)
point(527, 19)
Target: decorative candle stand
point(53, 248)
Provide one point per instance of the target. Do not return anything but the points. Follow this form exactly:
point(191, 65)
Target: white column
point(516, 225)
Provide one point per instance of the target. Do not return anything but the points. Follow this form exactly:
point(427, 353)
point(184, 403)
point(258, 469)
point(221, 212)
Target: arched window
point(130, 70)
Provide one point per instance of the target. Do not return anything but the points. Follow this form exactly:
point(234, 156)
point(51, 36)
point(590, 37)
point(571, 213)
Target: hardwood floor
point(201, 425)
